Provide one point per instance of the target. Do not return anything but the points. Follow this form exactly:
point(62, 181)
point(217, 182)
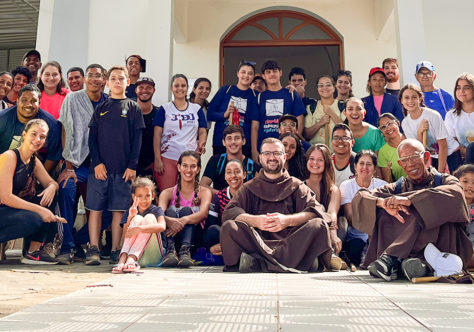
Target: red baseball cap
point(376, 70)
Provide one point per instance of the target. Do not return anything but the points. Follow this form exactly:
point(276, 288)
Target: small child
point(139, 223)
point(465, 174)
point(114, 142)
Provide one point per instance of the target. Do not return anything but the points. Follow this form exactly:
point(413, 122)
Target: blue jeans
point(185, 237)
point(67, 202)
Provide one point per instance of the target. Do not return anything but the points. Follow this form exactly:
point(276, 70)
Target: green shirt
point(388, 153)
point(372, 140)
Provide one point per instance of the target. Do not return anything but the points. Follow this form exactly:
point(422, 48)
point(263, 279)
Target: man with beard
point(144, 91)
point(75, 115)
point(135, 65)
point(274, 223)
point(401, 218)
point(390, 66)
point(32, 62)
point(14, 119)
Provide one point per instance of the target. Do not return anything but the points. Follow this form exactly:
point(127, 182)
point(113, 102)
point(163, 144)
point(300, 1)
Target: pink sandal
point(131, 267)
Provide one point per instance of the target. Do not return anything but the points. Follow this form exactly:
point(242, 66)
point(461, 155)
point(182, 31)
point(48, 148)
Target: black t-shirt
point(130, 91)
point(115, 135)
point(215, 170)
point(147, 155)
point(393, 92)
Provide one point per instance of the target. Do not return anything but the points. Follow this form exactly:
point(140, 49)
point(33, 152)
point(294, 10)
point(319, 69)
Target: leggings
point(186, 235)
point(136, 245)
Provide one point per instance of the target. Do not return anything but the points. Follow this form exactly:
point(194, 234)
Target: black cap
point(32, 52)
point(287, 117)
point(145, 80)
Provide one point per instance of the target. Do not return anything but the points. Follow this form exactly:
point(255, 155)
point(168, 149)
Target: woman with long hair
point(295, 159)
point(365, 163)
point(460, 121)
point(233, 104)
point(423, 122)
point(179, 126)
point(343, 88)
point(388, 154)
point(185, 205)
point(53, 88)
point(201, 90)
point(321, 180)
point(24, 212)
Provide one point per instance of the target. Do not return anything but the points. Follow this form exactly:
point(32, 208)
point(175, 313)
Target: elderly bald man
point(403, 217)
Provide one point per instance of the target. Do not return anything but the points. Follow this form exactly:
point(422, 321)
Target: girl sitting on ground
point(235, 177)
point(140, 222)
point(185, 205)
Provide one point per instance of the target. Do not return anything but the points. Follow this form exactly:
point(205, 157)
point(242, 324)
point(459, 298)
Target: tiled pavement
point(205, 299)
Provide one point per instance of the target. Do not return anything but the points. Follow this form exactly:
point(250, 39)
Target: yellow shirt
point(313, 118)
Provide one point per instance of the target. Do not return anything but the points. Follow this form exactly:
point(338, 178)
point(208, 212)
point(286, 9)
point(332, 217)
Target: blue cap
point(424, 64)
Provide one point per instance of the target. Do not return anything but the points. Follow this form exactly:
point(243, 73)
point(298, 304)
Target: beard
point(270, 170)
point(393, 79)
point(144, 100)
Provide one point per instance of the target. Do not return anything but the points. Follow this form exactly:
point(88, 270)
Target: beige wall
point(208, 20)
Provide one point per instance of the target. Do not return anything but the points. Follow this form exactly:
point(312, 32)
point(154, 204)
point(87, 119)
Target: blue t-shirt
point(153, 209)
point(244, 100)
point(271, 106)
point(11, 129)
point(115, 135)
point(103, 97)
point(433, 101)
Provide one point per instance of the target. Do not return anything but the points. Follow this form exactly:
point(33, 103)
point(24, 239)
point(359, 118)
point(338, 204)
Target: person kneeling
point(140, 222)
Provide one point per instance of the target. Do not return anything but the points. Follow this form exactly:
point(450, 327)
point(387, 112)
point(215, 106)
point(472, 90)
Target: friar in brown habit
point(401, 219)
point(274, 223)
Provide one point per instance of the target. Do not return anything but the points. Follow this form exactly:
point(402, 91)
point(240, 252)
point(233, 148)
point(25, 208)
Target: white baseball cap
point(443, 263)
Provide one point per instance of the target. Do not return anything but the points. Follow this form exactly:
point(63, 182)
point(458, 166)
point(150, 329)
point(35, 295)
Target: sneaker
point(92, 256)
point(114, 256)
point(49, 250)
point(65, 258)
point(386, 267)
point(38, 257)
point(79, 255)
point(414, 268)
point(185, 259)
point(171, 259)
point(250, 264)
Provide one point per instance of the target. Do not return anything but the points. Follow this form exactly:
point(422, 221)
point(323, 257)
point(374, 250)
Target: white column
point(410, 30)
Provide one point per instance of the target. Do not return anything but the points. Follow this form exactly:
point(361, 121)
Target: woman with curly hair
point(185, 205)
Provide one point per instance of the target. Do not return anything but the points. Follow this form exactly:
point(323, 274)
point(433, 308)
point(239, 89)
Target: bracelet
point(70, 170)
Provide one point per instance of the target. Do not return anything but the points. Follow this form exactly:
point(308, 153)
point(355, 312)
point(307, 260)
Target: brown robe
point(438, 215)
point(289, 249)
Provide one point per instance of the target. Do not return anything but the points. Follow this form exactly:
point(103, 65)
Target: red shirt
point(52, 104)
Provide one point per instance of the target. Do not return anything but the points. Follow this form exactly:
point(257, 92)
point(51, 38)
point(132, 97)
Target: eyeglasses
point(385, 126)
point(413, 158)
point(327, 85)
point(425, 73)
point(342, 138)
point(286, 124)
point(267, 154)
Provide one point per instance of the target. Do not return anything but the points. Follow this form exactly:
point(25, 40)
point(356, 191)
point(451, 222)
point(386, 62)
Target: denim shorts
point(112, 194)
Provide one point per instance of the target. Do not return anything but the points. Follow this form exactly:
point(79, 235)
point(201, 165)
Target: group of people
point(294, 184)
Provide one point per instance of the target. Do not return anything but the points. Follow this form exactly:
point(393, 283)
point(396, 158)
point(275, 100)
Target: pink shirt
point(378, 100)
point(52, 104)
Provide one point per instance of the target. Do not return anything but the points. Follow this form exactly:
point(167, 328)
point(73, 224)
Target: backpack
point(438, 179)
point(249, 167)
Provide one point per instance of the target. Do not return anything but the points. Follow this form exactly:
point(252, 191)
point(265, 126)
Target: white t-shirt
point(349, 189)
point(460, 126)
point(436, 131)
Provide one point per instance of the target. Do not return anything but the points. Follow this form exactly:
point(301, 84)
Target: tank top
point(184, 202)
point(21, 176)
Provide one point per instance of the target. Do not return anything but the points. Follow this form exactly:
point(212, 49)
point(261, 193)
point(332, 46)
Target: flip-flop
point(131, 267)
point(118, 268)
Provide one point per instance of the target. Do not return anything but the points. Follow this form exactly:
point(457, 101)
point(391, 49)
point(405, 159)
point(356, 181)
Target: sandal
point(131, 267)
point(118, 268)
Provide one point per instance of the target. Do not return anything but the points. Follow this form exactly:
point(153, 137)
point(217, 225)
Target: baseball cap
point(424, 64)
point(145, 80)
point(287, 117)
point(443, 263)
point(258, 77)
point(32, 52)
point(377, 70)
